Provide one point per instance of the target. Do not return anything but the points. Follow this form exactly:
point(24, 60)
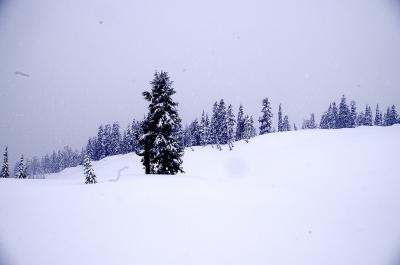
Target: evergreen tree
point(286, 124)
point(378, 116)
point(280, 121)
point(253, 131)
point(312, 124)
point(330, 117)
point(353, 114)
point(204, 129)
point(115, 145)
point(34, 167)
point(324, 123)
point(128, 139)
point(124, 143)
point(15, 170)
point(61, 160)
point(393, 117)
point(266, 117)
point(360, 119)
point(90, 176)
point(309, 124)
point(107, 139)
point(214, 125)
point(195, 133)
point(55, 163)
point(186, 137)
point(305, 125)
point(333, 120)
point(100, 144)
point(386, 118)
point(230, 123)
point(21, 171)
point(5, 172)
point(46, 164)
point(137, 132)
point(91, 148)
point(82, 156)
point(28, 168)
point(240, 124)
point(222, 133)
point(161, 140)
point(207, 138)
point(247, 128)
point(368, 116)
point(344, 119)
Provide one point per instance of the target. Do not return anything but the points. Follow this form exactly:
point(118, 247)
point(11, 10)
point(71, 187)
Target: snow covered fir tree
point(5, 171)
point(21, 170)
point(280, 120)
point(266, 117)
point(162, 149)
point(230, 124)
point(240, 122)
point(90, 176)
point(283, 123)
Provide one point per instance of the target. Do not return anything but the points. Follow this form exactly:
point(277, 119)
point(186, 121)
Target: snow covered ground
point(306, 197)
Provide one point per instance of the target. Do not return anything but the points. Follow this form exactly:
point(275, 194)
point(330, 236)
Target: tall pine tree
point(353, 114)
point(334, 124)
point(214, 126)
point(368, 116)
point(360, 119)
point(162, 150)
point(115, 145)
point(230, 123)
point(286, 124)
point(21, 171)
point(343, 115)
point(394, 117)
point(107, 140)
point(280, 121)
point(253, 131)
point(100, 144)
point(5, 171)
point(378, 116)
point(240, 124)
point(310, 124)
point(204, 129)
point(266, 117)
point(247, 129)
point(195, 133)
point(222, 133)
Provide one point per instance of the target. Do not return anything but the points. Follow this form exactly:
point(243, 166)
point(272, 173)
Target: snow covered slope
point(306, 197)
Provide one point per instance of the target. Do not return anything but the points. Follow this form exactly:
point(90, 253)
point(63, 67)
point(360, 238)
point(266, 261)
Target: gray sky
point(88, 61)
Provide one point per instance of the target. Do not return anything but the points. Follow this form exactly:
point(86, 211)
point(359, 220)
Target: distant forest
point(219, 128)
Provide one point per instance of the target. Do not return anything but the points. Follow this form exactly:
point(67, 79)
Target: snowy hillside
point(305, 197)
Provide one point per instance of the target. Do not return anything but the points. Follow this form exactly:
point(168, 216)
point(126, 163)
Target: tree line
point(160, 139)
point(346, 116)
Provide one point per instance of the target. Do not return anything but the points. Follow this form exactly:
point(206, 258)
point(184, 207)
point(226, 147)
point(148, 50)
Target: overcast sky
point(69, 66)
